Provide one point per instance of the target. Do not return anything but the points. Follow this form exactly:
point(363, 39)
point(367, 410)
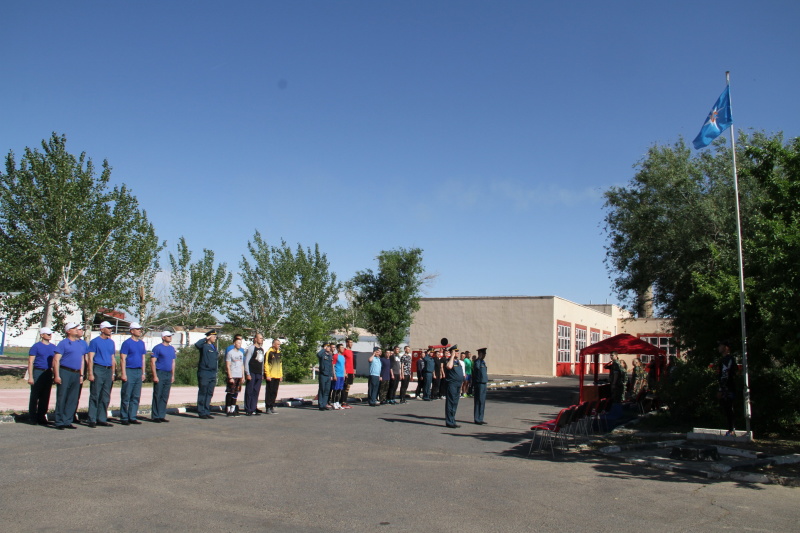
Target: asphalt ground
point(388, 468)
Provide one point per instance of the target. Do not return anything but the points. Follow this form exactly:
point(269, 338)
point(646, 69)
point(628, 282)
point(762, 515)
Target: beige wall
point(520, 332)
point(645, 326)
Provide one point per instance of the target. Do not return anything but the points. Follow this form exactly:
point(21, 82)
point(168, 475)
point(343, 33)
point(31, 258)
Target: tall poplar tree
point(67, 238)
point(386, 300)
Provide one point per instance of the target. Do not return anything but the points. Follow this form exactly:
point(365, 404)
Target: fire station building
point(529, 335)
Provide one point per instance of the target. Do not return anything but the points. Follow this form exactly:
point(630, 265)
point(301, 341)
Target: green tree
point(673, 228)
point(291, 294)
point(67, 238)
point(386, 300)
point(198, 289)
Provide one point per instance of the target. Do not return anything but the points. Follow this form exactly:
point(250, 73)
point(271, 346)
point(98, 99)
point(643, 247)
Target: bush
point(774, 394)
point(690, 393)
point(296, 364)
point(186, 366)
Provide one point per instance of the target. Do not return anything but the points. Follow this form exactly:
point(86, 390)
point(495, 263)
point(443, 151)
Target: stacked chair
point(571, 422)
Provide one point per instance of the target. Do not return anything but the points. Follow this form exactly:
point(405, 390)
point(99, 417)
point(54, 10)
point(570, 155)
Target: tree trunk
point(47, 312)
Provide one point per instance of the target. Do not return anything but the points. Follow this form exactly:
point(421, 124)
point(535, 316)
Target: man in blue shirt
point(480, 377)
point(325, 356)
point(40, 377)
point(101, 365)
point(374, 377)
point(68, 374)
point(162, 363)
point(131, 362)
point(206, 373)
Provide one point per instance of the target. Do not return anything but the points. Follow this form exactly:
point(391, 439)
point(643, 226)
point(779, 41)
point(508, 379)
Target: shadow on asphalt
point(405, 420)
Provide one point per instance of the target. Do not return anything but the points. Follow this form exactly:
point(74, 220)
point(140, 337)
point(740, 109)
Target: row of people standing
point(388, 370)
point(431, 373)
point(66, 364)
point(251, 368)
point(436, 373)
point(336, 372)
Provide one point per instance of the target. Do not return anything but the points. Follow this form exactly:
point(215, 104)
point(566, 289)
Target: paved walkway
point(17, 399)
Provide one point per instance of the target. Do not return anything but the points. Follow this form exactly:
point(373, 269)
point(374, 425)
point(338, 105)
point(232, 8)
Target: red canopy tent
point(622, 343)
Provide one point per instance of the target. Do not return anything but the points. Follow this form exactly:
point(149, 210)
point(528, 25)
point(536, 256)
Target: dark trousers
point(161, 394)
point(383, 392)
point(271, 395)
point(348, 380)
point(100, 394)
point(435, 387)
point(452, 395)
point(427, 383)
point(479, 395)
point(443, 387)
point(206, 381)
point(372, 389)
point(419, 385)
point(130, 393)
point(232, 391)
point(324, 394)
point(393, 383)
point(251, 391)
point(726, 403)
point(67, 395)
point(40, 394)
point(404, 387)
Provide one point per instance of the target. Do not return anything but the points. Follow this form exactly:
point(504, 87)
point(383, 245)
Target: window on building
point(564, 343)
point(664, 342)
point(594, 337)
point(580, 341)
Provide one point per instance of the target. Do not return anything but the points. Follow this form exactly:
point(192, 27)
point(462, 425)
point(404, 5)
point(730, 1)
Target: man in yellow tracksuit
point(273, 373)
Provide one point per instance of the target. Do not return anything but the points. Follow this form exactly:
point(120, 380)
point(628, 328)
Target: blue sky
point(482, 132)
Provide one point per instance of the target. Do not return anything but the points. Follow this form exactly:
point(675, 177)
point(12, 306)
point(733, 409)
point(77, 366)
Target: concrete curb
point(718, 471)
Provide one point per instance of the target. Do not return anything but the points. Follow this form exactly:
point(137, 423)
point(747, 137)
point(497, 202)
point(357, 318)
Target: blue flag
point(718, 120)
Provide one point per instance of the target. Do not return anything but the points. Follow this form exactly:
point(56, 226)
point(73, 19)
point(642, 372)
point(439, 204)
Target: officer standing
point(132, 374)
point(480, 377)
point(68, 374)
point(325, 356)
point(162, 364)
point(206, 373)
point(40, 377)
point(101, 364)
point(429, 367)
point(455, 377)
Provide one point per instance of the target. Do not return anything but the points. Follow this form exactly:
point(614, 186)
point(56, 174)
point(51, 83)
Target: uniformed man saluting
point(206, 373)
point(455, 377)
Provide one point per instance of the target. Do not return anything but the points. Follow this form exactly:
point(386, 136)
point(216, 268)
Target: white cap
point(70, 325)
point(45, 331)
point(105, 324)
point(135, 325)
point(166, 334)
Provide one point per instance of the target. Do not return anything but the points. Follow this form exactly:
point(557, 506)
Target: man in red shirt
point(350, 370)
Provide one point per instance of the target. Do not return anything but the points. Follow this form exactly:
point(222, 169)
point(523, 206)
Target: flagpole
point(747, 409)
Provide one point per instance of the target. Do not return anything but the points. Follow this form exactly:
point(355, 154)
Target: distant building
point(529, 335)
